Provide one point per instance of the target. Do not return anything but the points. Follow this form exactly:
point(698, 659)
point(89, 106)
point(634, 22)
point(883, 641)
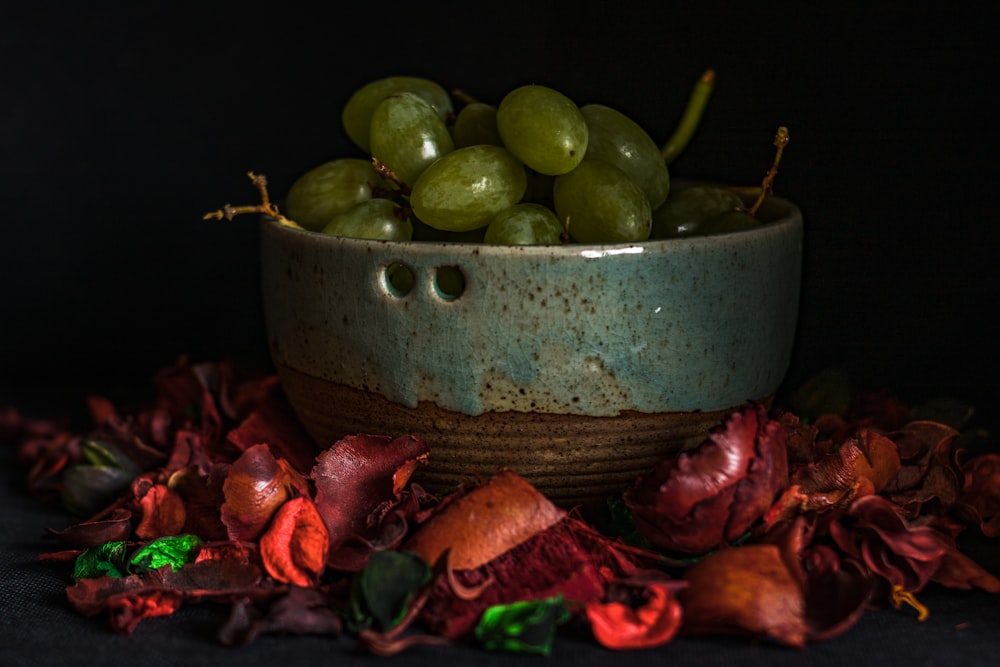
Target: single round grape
point(730, 221)
point(524, 224)
point(476, 124)
point(357, 112)
point(599, 203)
point(408, 135)
point(467, 187)
point(543, 128)
point(616, 138)
point(329, 189)
point(378, 218)
point(685, 211)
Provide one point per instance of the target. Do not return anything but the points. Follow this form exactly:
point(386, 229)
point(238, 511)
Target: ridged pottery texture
point(577, 366)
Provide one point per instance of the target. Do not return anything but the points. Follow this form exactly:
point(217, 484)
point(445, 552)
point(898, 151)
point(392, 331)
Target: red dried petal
point(864, 465)
point(904, 554)
point(981, 491)
point(959, 571)
point(273, 422)
point(715, 492)
point(86, 534)
point(128, 609)
point(618, 626)
point(163, 513)
point(295, 546)
point(561, 560)
point(360, 476)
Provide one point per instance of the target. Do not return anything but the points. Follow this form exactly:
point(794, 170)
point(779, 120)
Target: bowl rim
point(786, 218)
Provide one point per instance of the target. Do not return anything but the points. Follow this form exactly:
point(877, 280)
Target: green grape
point(476, 124)
point(357, 113)
point(524, 224)
point(543, 128)
point(373, 219)
point(730, 221)
point(326, 190)
point(407, 135)
point(599, 203)
point(616, 138)
point(685, 211)
point(467, 187)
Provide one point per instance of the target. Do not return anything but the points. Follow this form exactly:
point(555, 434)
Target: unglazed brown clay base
point(574, 460)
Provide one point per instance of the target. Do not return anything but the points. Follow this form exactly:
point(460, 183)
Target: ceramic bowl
point(576, 366)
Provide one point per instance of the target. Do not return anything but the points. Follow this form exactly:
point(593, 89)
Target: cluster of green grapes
point(534, 169)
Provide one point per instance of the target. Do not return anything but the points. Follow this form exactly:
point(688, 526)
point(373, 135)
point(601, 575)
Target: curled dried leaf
point(489, 520)
point(360, 479)
point(874, 533)
point(295, 546)
point(714, 493)
point(620, 626)
point(981, 492)
point(748, 590)
point(865, 464)
point(163, 513)
point(256, 486)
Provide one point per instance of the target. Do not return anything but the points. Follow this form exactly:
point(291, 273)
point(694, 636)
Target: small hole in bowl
point(398, 279)
point(449, 282)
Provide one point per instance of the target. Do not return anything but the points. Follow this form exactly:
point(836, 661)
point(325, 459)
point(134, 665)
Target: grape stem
point(266, 206)
point(386, 172)
point(767, 185)
point(463, 97)
point(691, 117)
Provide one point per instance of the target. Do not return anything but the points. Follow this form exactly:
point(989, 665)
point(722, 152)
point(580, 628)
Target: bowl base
point(574, 460)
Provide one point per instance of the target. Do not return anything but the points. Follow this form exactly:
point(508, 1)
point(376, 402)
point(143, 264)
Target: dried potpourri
point(780, 525)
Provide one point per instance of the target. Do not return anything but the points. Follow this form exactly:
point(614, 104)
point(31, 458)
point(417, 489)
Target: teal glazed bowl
point(576, 366)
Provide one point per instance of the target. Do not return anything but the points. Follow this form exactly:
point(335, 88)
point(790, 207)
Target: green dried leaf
point(88, 487)
point(382, 592)
point(522, 627)
point(174, 551)
point(105, 560)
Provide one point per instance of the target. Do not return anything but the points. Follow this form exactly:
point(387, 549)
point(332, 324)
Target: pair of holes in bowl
point(448, 281)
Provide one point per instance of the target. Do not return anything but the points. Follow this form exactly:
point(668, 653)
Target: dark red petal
point(360, 475)
point(715, 492)
point(128, 609)
point(116, 528)
point(163, 513)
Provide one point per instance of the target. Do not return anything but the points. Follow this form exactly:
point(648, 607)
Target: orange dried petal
point(486, 522)
point(295, 546)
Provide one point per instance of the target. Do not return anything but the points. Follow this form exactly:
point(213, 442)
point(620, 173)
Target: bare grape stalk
point(266, 206)
point(767, 185)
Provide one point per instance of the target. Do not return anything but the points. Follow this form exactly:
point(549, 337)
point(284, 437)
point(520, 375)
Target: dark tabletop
point(118, 129)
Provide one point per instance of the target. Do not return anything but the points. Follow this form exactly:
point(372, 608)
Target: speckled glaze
point(559, 334)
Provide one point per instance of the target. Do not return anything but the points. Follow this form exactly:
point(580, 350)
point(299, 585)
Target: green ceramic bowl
point(577, 366)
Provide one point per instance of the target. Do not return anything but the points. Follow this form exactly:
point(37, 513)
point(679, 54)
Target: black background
point(120, 128)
